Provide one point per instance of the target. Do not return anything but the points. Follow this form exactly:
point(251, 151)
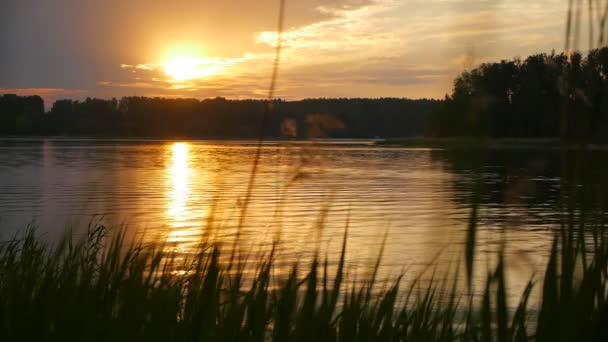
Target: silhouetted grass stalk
point(100, 288)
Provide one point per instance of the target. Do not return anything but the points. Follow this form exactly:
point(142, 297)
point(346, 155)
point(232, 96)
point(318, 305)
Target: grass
point(101, 288)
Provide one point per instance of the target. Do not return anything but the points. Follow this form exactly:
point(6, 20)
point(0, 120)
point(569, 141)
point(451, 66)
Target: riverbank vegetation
point(104, 289)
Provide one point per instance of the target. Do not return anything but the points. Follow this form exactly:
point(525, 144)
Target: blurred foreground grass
point(104, 289)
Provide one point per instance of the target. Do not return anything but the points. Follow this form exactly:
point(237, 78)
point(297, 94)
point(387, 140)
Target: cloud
point(364, 48)
point(350, 32)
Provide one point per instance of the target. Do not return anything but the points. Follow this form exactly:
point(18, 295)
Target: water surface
point(183, 192)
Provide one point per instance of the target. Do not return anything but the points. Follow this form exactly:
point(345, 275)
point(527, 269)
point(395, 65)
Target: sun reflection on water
point(180, 179)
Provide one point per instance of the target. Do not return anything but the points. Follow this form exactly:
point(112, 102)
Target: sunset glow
point(201, 49)
point(189, 68)
point(304, 170)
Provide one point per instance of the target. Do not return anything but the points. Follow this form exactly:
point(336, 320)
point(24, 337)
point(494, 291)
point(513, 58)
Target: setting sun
point(189, 68)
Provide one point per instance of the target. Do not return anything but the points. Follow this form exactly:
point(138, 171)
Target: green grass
point(103, 289)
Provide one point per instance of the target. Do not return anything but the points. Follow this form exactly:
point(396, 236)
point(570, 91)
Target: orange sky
point(335, 48)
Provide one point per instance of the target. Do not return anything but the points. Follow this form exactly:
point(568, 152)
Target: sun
point(186, 68)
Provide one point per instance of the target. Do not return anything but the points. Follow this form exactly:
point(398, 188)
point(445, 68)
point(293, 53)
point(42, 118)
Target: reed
point(105, 289)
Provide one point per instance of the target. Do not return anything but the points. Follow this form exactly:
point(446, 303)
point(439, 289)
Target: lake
point(180, 192)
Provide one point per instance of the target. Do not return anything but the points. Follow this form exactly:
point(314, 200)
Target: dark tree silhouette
point(21, 115)
point(551, 95)
point(215, 118)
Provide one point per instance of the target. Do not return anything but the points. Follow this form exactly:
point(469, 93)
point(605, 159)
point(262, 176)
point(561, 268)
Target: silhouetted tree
point(21, 114)
point(551, 95)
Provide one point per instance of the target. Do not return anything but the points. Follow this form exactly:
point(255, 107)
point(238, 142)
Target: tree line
point(545, 95)
point(215, 118)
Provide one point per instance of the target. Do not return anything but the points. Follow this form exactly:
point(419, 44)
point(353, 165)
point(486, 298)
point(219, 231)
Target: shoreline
point(408, 142)
point(246, 141)
point(490, 143)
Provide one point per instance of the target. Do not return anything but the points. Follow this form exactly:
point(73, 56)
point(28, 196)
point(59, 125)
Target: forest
point(545, 95)
point(146, 117)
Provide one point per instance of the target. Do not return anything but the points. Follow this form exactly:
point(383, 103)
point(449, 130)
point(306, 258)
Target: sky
point(208, 48)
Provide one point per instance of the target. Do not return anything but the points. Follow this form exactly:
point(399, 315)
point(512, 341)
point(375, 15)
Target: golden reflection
point(180, 181)
point(179, 177)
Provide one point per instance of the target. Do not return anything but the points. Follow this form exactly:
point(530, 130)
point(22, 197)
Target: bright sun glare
point(190, 68)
